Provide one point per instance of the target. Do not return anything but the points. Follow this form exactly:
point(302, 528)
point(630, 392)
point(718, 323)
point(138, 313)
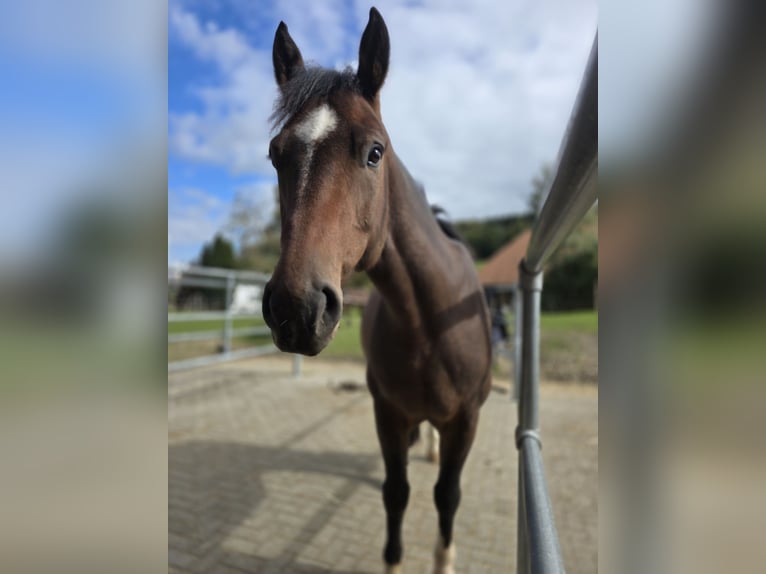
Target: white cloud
point(194, 217)
point(233, 129)
point(478, 93)
point(227, 48)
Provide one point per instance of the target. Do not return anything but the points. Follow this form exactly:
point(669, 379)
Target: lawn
point(571, 321)
point(568, 343)
point(189, 349)
point(347, 343)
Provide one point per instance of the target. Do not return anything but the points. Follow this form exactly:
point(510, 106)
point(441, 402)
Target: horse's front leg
point(393, 433)
point(456, 440)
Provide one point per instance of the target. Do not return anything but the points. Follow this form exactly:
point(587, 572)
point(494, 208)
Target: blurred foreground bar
point(83, 173)
point(681, 290)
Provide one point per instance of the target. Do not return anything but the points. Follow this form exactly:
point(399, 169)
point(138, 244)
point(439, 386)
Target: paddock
point(270, 473)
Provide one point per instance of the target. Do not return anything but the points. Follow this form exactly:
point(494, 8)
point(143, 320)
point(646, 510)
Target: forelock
point(312, 83)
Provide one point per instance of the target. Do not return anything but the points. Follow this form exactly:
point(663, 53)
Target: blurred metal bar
point(522, 549)
point(208, 316)
point(531, 285)
point(572, 193)
point(573, 190)
point(174, 274)
point(228, 321)
point(211, 335)
point(297, 364)
point(223, 357)
point(516, 342)
point(542, 550)
point(538, 549)
point(212, 283)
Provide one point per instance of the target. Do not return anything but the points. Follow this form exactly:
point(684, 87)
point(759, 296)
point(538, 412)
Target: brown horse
point(347, 202)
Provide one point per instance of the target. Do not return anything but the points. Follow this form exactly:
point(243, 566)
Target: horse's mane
point(447, 227)
point(312, 82)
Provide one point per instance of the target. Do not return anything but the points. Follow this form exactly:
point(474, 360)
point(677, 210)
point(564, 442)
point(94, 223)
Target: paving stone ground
point(272, 474)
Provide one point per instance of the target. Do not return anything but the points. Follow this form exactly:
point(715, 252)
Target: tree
point(260, 252)
point(250, 215)
point(218, 253)
point(539, 191)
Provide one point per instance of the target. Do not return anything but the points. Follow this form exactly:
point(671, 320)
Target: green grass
point(568, 341)
point(347, 343)
point(571, 321)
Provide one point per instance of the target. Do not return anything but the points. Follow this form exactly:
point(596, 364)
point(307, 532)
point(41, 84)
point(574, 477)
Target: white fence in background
point(220, 296)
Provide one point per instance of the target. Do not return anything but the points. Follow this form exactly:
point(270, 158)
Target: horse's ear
point(373, 55)
point(286, 56)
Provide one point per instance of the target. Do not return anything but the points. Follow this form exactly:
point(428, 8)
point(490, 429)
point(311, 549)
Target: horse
point(348, 203)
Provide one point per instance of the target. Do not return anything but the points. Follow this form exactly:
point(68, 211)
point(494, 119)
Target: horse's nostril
point(266, 305)
point(332, 307)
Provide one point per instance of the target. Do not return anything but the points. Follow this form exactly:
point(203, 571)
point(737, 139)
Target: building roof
point(503, 267)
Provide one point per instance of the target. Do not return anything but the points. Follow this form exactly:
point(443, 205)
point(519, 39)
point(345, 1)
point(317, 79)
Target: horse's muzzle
point(302, 323)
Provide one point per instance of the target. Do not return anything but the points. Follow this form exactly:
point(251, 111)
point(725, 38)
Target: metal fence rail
point(572, 193)
point(225, 281)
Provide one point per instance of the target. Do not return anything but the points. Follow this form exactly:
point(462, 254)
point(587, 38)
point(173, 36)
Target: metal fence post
point(571, 194)
point(538, 549)
point(516, 342)
point(531, 286)
point(297, 362)
point(227, 322)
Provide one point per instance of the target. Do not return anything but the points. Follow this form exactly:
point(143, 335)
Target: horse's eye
point(375, 155)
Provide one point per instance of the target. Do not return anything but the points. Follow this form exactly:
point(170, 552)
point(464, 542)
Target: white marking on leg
point(393, 569)
point(432, 444)
point(444, 558)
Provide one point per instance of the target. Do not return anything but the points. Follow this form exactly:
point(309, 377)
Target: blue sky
point(477, 97)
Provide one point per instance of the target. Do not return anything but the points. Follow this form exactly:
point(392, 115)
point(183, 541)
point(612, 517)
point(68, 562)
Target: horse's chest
point(425, 378)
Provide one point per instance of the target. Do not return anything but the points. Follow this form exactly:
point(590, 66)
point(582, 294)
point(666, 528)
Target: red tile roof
point(503, 267)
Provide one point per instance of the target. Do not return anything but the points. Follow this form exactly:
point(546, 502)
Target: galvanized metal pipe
point(571, 194)
point(212, 335)
point(228, 323)
point(297, 364)
point(208, 360)
point(522, 548)
point(543, 551)
point(573, 190)
point(175, 274)
point(531, 285)
point(516, 342)
point(538, 549)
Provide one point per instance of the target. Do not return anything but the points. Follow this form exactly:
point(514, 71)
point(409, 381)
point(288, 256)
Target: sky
point(477, 97)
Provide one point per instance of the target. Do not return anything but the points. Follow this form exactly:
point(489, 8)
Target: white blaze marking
point(317, 126)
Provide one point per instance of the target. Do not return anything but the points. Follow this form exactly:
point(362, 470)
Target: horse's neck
point(417, 265)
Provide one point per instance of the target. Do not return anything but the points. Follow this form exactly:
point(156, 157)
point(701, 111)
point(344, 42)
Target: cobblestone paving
point(269, 474)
